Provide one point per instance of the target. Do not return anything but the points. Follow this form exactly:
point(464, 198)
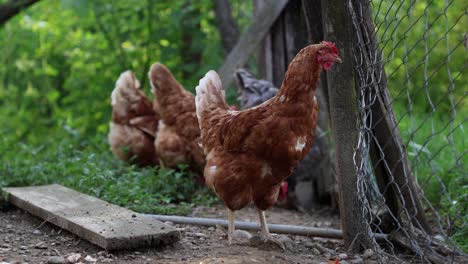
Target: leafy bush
point(87, 165)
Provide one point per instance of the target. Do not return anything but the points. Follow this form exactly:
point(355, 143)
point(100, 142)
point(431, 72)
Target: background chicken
point(251, 152)
point(178, 133)
point(134, 122)
point(299, 192)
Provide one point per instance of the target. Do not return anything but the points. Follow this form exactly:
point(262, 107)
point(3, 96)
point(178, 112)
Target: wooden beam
point(249, 41)
point(343, 118)
point(9, 9)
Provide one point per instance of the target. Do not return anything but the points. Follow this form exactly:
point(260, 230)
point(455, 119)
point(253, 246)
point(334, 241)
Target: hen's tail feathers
point(162, 80)
point(127, 99)
point(126, 86)
point(210, 93)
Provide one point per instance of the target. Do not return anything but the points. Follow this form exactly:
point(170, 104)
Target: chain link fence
point(411, 60)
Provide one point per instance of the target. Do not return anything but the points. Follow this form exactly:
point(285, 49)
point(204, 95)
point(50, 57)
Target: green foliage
point(86, 165)
point(60, 59)
point(58, 65)
point(425, 62)
point(423, 50)
point(435, 150)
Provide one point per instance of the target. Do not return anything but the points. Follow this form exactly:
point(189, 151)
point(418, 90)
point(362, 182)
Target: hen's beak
point(336, 59)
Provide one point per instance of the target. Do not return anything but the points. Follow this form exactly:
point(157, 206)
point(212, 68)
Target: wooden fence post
point(343, 118)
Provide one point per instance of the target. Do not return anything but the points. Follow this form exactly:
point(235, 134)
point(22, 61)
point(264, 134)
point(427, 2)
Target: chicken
point(178, 134)
point(134, 122)
point(251, 152)
point(254, 92)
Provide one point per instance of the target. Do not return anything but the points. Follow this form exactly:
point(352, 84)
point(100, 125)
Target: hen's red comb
point(331, 45)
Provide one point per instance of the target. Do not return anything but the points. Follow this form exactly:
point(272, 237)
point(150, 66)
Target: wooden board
point(106, 225)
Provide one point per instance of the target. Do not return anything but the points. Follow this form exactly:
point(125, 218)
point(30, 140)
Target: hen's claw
point(267, 243)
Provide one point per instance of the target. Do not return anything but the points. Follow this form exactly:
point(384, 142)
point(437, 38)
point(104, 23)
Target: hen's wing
point(172, 149)
point(269, 130)
point(147, 124)
point(131, 144)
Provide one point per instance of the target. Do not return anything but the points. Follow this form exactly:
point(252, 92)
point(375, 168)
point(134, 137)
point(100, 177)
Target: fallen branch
point(279, 229)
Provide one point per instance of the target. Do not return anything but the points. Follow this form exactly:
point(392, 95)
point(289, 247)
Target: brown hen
point(251, 152)
point(134, 122)
point(178, 134)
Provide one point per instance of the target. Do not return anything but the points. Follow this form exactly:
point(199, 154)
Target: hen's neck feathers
point(301, 78)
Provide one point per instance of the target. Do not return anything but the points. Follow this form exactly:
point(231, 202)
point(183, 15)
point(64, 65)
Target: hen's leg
point(264, 233)
point(230, 225)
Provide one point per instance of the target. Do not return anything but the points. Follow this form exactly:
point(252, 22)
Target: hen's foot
point(266, 242)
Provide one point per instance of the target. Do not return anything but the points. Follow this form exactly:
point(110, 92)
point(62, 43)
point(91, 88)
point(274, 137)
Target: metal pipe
point(279, 229)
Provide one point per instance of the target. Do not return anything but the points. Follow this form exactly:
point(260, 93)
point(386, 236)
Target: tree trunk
point(227, 26)
point(343, 118)
point(9, 9)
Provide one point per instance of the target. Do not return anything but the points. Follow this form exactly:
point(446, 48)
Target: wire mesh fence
point(411, 60)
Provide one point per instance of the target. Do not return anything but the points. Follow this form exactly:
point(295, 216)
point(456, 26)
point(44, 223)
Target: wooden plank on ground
point(249, 41)
point(106, 225)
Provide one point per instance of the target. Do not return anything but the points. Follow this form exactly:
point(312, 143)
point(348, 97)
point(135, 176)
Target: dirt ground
point(27, 239)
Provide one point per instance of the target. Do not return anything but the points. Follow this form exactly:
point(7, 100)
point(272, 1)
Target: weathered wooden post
point(343, 118)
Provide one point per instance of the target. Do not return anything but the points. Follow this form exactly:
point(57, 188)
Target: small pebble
point(369, 254)
point(90, 259)
point(40, 245)
point(56, 260)
point(201, 235)
point(73, 257)
point(241, 234)
point(36, 232)
point(343, 256)
point(357, 261)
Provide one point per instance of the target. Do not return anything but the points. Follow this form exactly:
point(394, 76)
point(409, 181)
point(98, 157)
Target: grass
point(87, 165)
point(436, 146)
